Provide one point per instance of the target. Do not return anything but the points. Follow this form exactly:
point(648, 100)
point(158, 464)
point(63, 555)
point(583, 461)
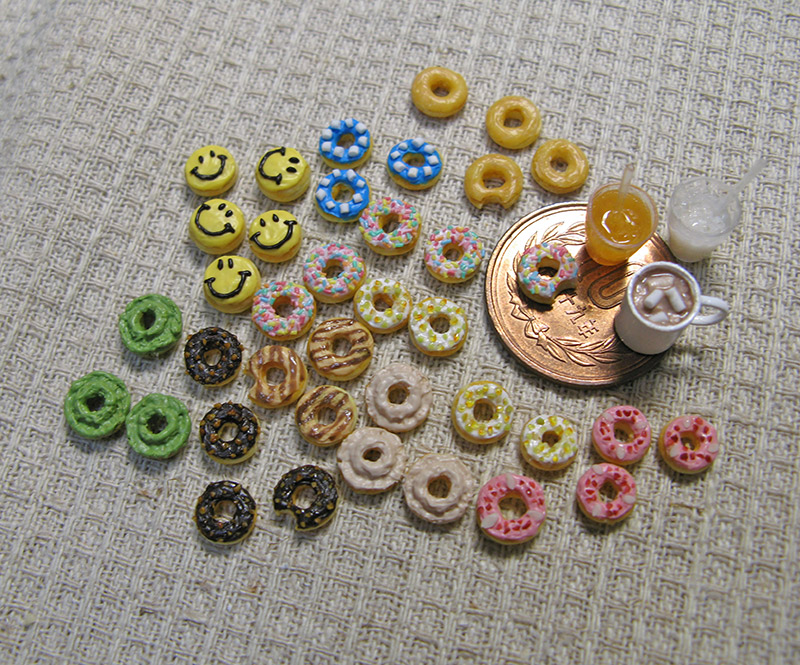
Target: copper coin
point(571, 341)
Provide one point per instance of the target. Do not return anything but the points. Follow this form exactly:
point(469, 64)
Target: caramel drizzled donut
point(314, 403)
point(322, 349)
point(275, 395)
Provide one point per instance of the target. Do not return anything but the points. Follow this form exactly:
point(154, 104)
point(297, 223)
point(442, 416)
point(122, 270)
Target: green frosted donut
point(150, 325)
point(158, 426)
point(96, 405)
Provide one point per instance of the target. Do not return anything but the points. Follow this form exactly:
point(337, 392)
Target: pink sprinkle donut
point(345, 284)
point(490, 517)
point(689, 444)
point(621, 435)
point(592, 504)
point(272, 296)
point(467, 250)
point(397, 241)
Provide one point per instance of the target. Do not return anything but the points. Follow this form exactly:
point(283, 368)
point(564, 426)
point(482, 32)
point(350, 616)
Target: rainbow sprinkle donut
point(403, 169)
point(273, 295)
point(549, 442)
point(467, 250)
point(423, 326)
point(392, 295)
point(490, 516)
point(592, 504)
point(336, 155)
point(334, 289)
point(397, 241)
point(621, 435)
point(491, 399)
point(331, 185)
point(542, 288)
point(689, 444)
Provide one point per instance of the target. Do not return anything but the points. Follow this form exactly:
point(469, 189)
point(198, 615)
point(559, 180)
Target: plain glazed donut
point(536, 285)
point(689, 444)
point(548, 160)
point(432, 80)
point(509, 109)
point(490, 516)
point(398, 397)
point(621, 435)
point(438, 488)
point(275, 395)
point(322, 506)
point(493, 167)
point(212, 518)
point(371, 460)
point(312, 406)
point(496, 402)
point(592, 504)
point(323, 356)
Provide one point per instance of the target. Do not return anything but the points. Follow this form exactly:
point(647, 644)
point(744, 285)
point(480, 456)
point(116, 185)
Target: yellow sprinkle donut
point(439, 79)
point(559, 166)
point(438, 326)
point(382, 305)
point(504, 112)
point(549, 442)
point(482, 412)
point(493, 167)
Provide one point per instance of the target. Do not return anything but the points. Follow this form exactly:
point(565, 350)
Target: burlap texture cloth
point(100, 562)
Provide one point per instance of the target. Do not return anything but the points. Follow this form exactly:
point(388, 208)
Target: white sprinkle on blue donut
point(342, 211)
point(414, 176)
point(340, 155)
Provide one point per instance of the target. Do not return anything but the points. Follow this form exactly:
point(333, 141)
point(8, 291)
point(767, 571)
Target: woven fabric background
point(103, 101)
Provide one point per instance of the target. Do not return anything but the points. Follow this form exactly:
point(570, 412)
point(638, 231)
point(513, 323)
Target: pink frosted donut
point(592, 504)
point(621, 435)
point(689, 444)
point(334, 257)
point(490, 517)
point(270, 297)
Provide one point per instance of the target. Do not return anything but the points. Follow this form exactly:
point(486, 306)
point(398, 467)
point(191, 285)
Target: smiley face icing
point(210, 171)
point(230, 283)
point(275, 236)
point(217, 226)
point(282, 174)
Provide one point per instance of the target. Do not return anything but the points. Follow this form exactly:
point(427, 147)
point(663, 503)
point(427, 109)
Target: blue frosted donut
point(342, 211)
point(404, 170)
point(337, 155)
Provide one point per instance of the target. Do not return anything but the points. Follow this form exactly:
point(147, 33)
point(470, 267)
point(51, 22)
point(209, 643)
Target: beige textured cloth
point(103, 101)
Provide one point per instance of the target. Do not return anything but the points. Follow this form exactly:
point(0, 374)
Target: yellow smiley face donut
point(488, 168)
point(275, 236)
point(230, 283)
point(426, 89)
point(482, 412)
point(513, 122)
point(282, 174)
point(210, 171)
point(217, 226)
point(559, 166)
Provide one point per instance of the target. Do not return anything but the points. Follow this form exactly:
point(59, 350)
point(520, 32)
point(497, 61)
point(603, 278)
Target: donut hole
point(397, 394)
point(452, 252)
point(333, 269)
point(551, 438)
point(228, 432)
point(623, 432)
point(95, 402)
point(276, 376)
point(341, 346)
point(382, 301)
point(346, 140)
point(156, 423)
point(414, 159)
point(440, 323)
point(212, 357)
point(283, 306)
point(493, 180)
point(326, 416)
point(512, 507)
point(690, 441)
point(439, 487)
point(342, 192)
point(440, 88)
point(607, 492)
point(148, 318)
point(484, 410)
point(224, 511)
point(513, 118)
point(559, 164)
point(547, 268)
point(303, 497)
point(389, 223)
point(372, 454)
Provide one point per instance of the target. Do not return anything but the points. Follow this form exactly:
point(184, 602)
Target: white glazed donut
point(398, 381)
point(549, 442)
point(423, 329)
point(438, 488)
point(497, 404)
point(371, 460)
point(395, 298)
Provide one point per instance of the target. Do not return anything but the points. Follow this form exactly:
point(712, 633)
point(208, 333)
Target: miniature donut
point(454, 254)
point(385, 213)
point(438, 327)
point(489, 168)
point(382, 305)
point(426, 89)
point(210, 170)
point(621, 435)
point(214, 519)
point(559, 166)
point(414, 164)
point(212, 356)
point(230, 282)
point(438, 488)
point(268, 310)
point(371, 460)
point(689, 444)
point(275, 236)
point(217, 226)
point(245, 440)
point(549, 442)
point(513, 122)
point(342, 131)
point(151, 325)
point(322, 506)
point(482, 412)
point(312, 407)
point(158, 426)
point(504, 530)
point(332, 363)
point(282, 174)
point(591, 502)
point(96, 405)
point(398, 397)
point(332, 186)
point(334, 257)
point(538, 285)
point(268, 394)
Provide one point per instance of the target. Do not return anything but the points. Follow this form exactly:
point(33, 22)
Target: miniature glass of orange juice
point(620, 218)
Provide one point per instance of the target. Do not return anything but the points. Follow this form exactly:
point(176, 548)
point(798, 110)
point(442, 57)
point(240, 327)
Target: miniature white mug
point(661, 300)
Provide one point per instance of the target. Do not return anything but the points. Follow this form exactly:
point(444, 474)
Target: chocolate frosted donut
point(242, 445)
point(322, 506)
point(322, 351)
point(213, 515)
point(202, 346)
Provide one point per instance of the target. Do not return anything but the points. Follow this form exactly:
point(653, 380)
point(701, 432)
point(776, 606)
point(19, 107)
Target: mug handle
point(722, 309)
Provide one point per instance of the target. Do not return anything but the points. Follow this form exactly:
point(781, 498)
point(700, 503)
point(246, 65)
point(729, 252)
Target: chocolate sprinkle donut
point(243, 444)
point(322, 506)
point(225, 530)
point(212, 339)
